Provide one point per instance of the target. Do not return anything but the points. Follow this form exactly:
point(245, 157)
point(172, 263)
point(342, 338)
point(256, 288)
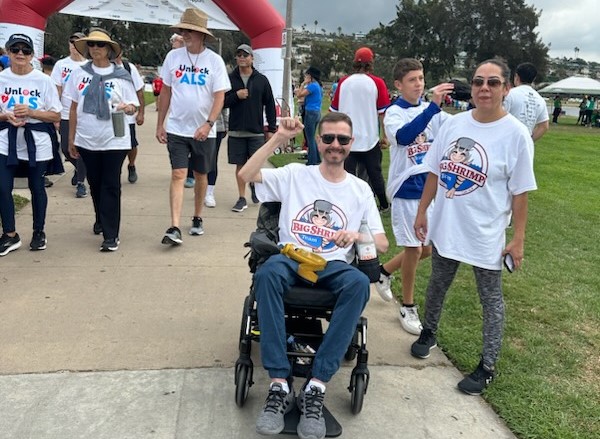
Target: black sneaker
point(97, 228)
point(132, 177)
point(240, 205)
point(8, 244)
point(172, 236)
point(475, 383)
point(312, 422)
point(38, 241)
point(110, 245)
point(424, 344)
point(197, 228)
point(278, 403)
point(48, 182)
point(255, 199)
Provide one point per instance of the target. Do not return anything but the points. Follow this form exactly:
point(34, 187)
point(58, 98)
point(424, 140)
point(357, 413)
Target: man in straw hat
point(195, 81)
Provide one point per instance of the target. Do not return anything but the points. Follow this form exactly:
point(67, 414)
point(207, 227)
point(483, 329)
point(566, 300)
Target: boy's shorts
point(134, 141)
point(404, 213)
point(201, 154)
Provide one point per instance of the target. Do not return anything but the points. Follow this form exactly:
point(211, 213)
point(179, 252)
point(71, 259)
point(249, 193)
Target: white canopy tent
point(574, 85)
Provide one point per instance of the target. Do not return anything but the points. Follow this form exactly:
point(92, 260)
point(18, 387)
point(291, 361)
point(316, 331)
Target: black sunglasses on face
point(491, 82)
point(25, 50)
point(96, 44)
point(242, 55)
point(341, 138)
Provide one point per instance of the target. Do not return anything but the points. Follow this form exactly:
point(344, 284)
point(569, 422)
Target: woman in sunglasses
point(101, 93)
point(29, 107)
point(480, 172)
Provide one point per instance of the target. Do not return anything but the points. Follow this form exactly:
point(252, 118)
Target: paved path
point(141, 343)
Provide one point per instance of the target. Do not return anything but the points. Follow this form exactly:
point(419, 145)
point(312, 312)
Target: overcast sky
point(564, 24)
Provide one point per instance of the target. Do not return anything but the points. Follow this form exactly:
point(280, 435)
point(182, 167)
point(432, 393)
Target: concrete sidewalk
point(141, 343)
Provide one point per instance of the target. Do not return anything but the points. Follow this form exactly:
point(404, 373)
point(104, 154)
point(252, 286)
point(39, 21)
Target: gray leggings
point(489, 286)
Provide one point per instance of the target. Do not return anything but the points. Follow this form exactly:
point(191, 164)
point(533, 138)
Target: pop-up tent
point(575, 85)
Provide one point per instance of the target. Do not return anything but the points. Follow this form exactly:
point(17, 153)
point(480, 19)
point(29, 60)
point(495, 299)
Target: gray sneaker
point(312, 422)
point(196, 228)
point(240, 205)
point(278, 403)
point(172, 236)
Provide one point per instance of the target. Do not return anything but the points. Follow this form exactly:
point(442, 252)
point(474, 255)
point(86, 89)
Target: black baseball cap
point(19, 38)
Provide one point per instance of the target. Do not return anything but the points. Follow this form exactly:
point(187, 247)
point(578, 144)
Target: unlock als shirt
point(61, 74)
point(39, 92)
point(193, 79)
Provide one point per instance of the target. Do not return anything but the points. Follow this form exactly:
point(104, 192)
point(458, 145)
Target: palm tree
point(316, 22)
point(576, 52)
point(339, 30)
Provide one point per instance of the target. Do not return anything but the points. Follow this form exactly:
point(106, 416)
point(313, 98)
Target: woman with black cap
point(101, 93)
point(28, 110)
point(312, 92)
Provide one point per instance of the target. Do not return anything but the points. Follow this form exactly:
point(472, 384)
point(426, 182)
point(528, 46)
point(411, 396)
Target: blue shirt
point(312, 101)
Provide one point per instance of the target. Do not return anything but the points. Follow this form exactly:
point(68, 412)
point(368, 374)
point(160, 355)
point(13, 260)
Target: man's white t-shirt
point(480, 167)
point(527, 106)
point(61, 73)
point(39, 92)
point(313, 208)
point(193, 78)
point(92, 133)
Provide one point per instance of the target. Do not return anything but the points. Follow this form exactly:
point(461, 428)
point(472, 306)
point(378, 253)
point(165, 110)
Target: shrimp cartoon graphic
point(462, 168)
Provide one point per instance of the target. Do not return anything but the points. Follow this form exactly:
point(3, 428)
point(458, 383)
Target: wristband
point(210, 122)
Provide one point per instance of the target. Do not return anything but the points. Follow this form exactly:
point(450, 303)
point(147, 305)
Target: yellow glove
point(308, 262)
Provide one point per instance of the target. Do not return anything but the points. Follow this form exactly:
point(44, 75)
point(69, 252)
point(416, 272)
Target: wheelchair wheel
point(359, 388)
point(352, 348)
point(242, 384)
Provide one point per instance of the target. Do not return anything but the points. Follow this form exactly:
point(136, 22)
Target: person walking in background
point(249, 98)
point(557, 109)
point(311, 91)
point(589, 110)
point(195, 81)
point(61, 74)
point(582, 107)
point(364, 97)
point(525, 103)
point(480, 172)
point(27, 139)
point(100, 91)
point(222, 127)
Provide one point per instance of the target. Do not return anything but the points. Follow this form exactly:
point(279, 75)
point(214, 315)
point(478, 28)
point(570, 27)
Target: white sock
point(210, 189)
point(284, 386)
point(316, 384)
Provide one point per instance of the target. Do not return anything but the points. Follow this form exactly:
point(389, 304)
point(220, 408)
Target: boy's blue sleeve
point(409, 132)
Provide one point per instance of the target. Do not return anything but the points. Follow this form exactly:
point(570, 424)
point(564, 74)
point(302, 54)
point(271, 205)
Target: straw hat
point(194, 19)
point(101, 36)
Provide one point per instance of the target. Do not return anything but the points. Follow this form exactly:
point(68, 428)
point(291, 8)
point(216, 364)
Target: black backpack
point(263, 241)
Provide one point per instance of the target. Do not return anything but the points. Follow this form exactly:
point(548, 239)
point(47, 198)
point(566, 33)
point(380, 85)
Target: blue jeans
point(311, 121)
point(273, 279)
point(39, 198)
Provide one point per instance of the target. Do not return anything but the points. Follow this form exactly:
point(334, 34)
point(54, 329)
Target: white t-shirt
point(313, 208)
point(193, 78)
point(92, 133)
point(61, 73)
point(526, 105)
point(138, 84)
point(476, 185)
point(407, 160)
point(39, 92)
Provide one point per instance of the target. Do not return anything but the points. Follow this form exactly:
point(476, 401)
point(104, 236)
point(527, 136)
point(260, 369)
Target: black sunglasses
point(96, 44)
point(242, 55)
point(25, 50)
point(341, 138)
point(491, 82)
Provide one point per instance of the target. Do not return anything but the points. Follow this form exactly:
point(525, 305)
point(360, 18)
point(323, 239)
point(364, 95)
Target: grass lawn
point(548, 384)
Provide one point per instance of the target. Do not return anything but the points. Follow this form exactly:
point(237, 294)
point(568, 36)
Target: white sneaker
point(383, 286)
point(409, 319)
point(209, 200)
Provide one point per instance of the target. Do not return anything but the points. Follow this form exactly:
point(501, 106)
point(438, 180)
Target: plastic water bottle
point(296, 346)
point(368, 261)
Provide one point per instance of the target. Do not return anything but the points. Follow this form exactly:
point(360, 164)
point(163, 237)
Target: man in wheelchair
point(321, 210)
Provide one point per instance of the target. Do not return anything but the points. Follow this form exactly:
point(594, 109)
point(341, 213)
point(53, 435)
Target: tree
point(316, 22)
point(339, 29)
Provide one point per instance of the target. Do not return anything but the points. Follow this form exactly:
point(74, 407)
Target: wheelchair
point(305, 310)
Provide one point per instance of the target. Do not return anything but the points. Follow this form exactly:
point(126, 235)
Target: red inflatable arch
point(257, 18)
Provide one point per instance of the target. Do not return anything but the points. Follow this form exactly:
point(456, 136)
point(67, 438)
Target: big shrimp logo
point(417, 150)
point(316, 224)
point(463, 168)
point(18, 95)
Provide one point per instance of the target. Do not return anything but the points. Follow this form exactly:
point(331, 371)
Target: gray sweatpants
point(489, 286)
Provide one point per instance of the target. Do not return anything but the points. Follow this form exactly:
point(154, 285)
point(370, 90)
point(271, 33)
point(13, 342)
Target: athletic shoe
point(383, 286)
point(240, 205)
point(312, 422)
point(97, 228)
point(209, 200)
point(476, 383)
point(38, 241)
point(74, 179)
point(110, 245)
point(172, 236)
point(8, 244)
point(48, 182)
point(255, 199)
point(132, 175)
point(196, 228)
point(278, 403)
point(189, 182)
point(424, 344)
point(384, 210)
point(81, 191)
point(409, 319)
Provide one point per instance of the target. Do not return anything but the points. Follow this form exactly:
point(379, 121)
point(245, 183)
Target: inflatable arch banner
point(257, 18)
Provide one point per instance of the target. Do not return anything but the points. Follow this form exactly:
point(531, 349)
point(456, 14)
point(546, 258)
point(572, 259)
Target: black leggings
point(371, 160)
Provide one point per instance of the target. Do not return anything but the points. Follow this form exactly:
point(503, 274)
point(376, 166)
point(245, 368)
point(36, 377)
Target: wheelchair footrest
point(334, 429)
